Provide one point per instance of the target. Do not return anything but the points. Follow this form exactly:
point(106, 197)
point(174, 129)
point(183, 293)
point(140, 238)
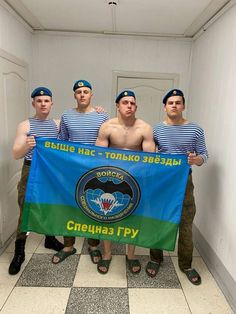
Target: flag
point(124, 196)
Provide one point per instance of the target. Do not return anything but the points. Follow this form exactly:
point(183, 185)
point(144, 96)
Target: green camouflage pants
point(69, 241)
point(185, 242)
point(21, 187)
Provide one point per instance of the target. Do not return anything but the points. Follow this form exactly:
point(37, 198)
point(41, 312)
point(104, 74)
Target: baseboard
point(3, 248)
point(217, 269)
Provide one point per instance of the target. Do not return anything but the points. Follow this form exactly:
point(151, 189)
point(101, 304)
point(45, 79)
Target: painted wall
point(212, 105)
point(15, 61)
point(59, 60)
point(15, 38)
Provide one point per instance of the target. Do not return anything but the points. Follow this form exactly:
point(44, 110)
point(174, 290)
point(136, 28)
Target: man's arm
point(194, 159)
point(63, 132)
point(23, 143)
point(200, 154)
point(57, 121)
point(103, 136)
point(148, 144)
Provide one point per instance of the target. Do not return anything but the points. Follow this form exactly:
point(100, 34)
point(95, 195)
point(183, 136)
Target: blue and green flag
point(119, 195)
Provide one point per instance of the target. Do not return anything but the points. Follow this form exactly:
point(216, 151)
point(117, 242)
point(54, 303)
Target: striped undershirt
point(180, 139)
point(81, 127)
point(41, 128)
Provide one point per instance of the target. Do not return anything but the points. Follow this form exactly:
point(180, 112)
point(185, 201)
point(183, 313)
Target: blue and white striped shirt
point(41, 128)
point(81, 127)
point(180, 139)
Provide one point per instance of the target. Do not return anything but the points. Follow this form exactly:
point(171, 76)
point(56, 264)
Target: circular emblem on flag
point(107, 194)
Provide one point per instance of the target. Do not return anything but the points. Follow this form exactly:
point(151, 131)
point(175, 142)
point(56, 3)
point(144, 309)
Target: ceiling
point(161, 18)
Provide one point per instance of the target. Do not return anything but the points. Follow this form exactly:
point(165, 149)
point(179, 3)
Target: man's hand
point(193, 159)
point(30, 142)
point(99, 109)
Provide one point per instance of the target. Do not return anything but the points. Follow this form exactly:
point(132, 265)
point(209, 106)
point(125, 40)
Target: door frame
point(142, 75)
point(4, 55)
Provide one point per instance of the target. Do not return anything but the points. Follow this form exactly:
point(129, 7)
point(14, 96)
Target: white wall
point(212, 104)
point(15, 38)
point(59, 60)
point(15, 60)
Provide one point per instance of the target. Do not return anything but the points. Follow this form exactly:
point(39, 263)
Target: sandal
point(154, 267)
point(62, 255)
point(103, 263)
point(95, 254)
point(132, 263)
point(193, 276)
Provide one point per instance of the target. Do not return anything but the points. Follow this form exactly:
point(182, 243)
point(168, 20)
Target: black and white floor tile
point(75, 286)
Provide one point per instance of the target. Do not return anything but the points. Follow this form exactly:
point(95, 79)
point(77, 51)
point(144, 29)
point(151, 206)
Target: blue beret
point(81, 83)
point(173, 92)
point(124, 94)
point(41, 91)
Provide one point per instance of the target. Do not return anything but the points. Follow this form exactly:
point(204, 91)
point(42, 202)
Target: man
point(176, 135)
point(125, 132)
point(80, 124)
point(38, 126)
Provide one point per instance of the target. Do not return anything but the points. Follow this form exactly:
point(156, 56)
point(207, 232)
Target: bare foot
point(57, 259)
point(103, 267)
point(95, 254)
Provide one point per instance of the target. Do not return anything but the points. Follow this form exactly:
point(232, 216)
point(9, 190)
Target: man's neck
point(41, 117)
point(175, 121)
point(129, 122)
point(83, 109)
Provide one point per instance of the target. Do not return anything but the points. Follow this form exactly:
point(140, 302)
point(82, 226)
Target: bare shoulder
point(24, 126)
point(143, 124)
point(110, 123)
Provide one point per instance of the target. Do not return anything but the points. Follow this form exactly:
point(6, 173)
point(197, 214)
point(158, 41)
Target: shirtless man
point(124, 132)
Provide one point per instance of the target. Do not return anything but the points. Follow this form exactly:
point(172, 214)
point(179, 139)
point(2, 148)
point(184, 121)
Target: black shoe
point(52, 243)
point(15, 265)
point(18, 258)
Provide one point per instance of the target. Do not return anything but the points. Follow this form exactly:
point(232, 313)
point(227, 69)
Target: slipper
point(93, 254)
point(63, 255)
point(193, 276)
point(103, 263)
point(133, 263)
point(154, 267)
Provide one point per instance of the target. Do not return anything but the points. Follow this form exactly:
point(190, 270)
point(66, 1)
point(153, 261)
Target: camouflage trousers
point(69, 241)
point(185, 241)
point(21, 187)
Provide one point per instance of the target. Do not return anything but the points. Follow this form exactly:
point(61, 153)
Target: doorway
point(149, 89)
point(14, 107)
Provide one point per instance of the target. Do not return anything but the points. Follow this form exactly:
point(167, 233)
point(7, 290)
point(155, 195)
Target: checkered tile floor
point(75, 286)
